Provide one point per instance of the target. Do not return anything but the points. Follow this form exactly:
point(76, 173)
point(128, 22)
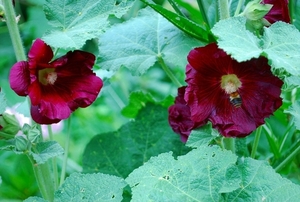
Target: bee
point(235, 99)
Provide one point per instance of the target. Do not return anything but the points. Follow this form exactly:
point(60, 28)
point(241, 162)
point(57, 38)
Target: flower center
point(47, 76)
point(230, 83)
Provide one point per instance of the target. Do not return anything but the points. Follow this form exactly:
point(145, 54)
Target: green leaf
point(236, 40)
point(120, 152)
point(294, 110)
point(2, 102)
point(137, 100)
point(195, 30)
point(295, 10)
point(35, 199)
point(46, 150)
point(201, 136)
point(261, 183)
point(199, 175)
point(91, 187)
point(280, 43)
point(74, 22)
point(291, 83)
point(137, 43)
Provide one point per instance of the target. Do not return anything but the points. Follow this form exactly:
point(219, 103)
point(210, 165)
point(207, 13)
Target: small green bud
point(33, 135)
point(21, 144)
point(255, 10)
point(26, 128)
point(10, 126)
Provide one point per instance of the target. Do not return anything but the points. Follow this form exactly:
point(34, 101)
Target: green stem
point(44, 179)
point(223, 9)
point(13, 29)
point(229, 144)
point(203, 13)
point(238, 8)
point(168, 71)
point(256, 141)
point(288, 159)
point(65, 160)
point(54, 163)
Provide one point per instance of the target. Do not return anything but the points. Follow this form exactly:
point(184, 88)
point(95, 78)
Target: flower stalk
point(54, 163)
point(256, 141)
point(11, 22)
point(44, 179)
point(223, 9)
point(289, 158)
point(65, 159)
point(168, 71)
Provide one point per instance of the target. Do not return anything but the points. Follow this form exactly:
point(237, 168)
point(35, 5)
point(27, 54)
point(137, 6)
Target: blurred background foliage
point(18, 182)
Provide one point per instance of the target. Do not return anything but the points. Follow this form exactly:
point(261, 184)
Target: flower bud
point(255, 10)
point(10, 126)
point(21, 144)
point(33, 135)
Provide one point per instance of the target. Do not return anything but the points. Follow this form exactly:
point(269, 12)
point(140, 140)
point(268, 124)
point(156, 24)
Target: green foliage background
point(122, 145)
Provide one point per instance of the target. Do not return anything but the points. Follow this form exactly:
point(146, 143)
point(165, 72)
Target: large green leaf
point(137, 43)
point(91, 187)
point(236, 40)
point(74, 21)
point(209, 174)
point(261, 183)
point(120, 152)
point(280, 43)
point(46, 150)
point(200, 175)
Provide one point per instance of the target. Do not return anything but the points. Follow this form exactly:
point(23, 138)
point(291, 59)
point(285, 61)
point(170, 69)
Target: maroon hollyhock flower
point(180, 116)
point(279, 11)
point(56, 88)
point(235, 97)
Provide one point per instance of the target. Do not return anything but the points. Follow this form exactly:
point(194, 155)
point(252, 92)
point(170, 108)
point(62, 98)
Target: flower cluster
point(56, 88)
point(235, 97)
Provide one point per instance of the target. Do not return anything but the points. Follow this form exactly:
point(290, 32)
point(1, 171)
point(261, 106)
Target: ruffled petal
point(39, 53)
point(180, 116)
point(39, 118)
point(19, 78)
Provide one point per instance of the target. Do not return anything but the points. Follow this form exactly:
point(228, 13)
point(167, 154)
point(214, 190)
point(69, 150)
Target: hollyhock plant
point(235, 97)
point(180, 116)
point(56, 88)
point(278, 12)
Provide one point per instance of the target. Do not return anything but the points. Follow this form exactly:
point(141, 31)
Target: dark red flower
point(279, 11)
point(235, 97)
point(56, 88)
point(180, 116)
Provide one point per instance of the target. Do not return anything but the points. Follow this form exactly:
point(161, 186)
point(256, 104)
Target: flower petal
point(39, 118)
point(180, 116)
point(39, 53)
point(279, 11)
point(19, 78)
